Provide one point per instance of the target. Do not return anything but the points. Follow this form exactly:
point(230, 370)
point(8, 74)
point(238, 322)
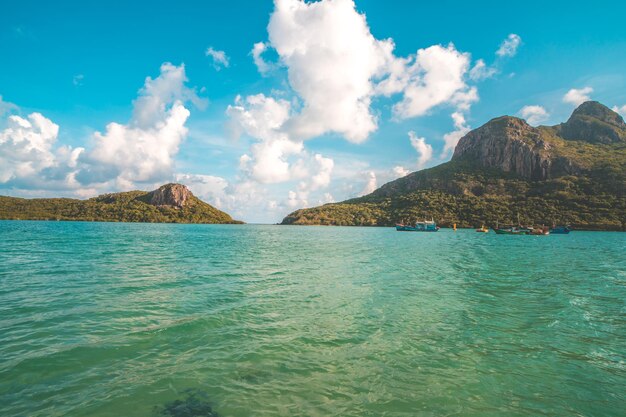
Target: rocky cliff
point(172, 195)
point(512, 145)
point(509, 144)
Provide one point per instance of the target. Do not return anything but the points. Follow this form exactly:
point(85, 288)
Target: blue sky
point(83, 66)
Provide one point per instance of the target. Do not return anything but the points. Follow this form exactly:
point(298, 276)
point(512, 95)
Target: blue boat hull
point(560, 230)
point(414, 229)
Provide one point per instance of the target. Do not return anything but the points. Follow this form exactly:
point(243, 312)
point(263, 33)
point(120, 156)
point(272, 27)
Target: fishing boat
point(483, 229)
point(425, 226)
point(540, 231)
point(513, 230)
point(560, 230)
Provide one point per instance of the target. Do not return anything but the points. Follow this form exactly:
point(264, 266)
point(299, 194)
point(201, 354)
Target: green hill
point(170, 203)
point(571, 173)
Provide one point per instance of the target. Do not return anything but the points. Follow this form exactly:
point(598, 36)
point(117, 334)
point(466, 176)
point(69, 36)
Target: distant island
point(170, 203)
point(572, 173)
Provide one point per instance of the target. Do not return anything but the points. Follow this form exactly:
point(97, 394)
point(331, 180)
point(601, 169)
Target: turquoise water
point(104, 319)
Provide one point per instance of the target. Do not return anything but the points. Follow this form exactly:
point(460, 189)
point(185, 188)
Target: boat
point(483, 229)
point(540, 231)
point(560, 230)
point(514, 230)
point(425, 226)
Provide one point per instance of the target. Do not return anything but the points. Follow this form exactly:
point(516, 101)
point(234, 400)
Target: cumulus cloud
point(508, 47)
point(534, 114)
point(26, 145)
point(331, 59)
point(258, 116)
point(460, 129)
point(220, 59)
point(275, 157)
point(28, 158)
point(620, 110)
point(262, 118)
point(577, 96)
point(436, 76)
point(143, 150)
point(423, 149)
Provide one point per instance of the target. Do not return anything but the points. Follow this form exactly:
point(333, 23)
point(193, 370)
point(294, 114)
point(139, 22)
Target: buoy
point(454, 227)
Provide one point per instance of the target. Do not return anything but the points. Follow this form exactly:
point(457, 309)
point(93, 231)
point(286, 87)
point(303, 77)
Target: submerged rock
point(194, 404)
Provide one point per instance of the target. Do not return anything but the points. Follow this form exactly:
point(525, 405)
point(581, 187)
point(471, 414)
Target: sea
point(145, 320)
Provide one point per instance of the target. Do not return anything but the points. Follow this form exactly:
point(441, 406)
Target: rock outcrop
point(594, 122)
point(509, 144)
point(171, 195)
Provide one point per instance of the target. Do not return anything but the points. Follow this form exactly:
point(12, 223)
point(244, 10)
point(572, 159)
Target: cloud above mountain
point(141, 151)
point(577, 96)
point(534, 114)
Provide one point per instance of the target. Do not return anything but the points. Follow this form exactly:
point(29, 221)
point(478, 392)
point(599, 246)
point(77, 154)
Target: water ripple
point(174, 320)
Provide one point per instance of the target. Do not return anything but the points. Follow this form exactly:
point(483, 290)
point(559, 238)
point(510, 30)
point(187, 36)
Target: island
point(572, 173)
point(170, 203)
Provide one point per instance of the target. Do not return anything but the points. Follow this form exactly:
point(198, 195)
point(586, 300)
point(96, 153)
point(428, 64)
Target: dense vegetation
point(129, 206)
point(464, 192)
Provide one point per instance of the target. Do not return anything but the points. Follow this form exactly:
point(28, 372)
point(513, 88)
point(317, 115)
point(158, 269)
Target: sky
point(262, 107)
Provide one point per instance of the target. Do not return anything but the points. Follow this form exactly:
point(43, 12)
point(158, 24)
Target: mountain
point(170, 203)
point(574, 172)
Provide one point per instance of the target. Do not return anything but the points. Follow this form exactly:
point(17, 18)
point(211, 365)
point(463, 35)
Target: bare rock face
point(173, 195)
point(510, 144)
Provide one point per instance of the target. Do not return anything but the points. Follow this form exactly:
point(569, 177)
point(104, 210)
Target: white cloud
point(28, 158)
point(437, 76)
point(400, 171)
point(480, 71)
point(261, 118)
point(331, 59)
point(262, 65)
point(220, 59)
point(620, 110)
point(321, 176)
point(509, 46)
point(577, 96)
point(423, 149)
point(26, 146)
point(371, 184)
point(269, 160)
point(534, 114)
point(460, 129)
point(275, 158)
point(143, 150)
point(258, 116)
point(158, 95)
